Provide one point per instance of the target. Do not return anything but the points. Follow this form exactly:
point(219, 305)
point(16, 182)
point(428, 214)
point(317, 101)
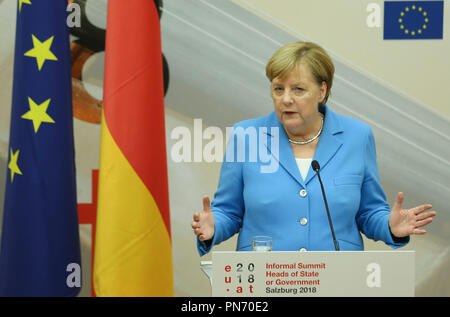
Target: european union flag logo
point(40, 246)
point(413, 20)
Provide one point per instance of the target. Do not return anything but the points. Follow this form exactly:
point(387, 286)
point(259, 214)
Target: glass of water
point(261, 243)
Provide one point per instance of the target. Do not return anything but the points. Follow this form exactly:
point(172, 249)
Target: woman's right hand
point(203, 223)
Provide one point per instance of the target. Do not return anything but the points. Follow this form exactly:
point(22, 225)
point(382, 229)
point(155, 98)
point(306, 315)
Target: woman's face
point(296, 100)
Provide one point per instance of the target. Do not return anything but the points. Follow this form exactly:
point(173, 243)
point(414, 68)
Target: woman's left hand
point(404, 222)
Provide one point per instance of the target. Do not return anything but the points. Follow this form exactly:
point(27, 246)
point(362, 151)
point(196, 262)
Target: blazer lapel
point(285, 156)
point(329, 143)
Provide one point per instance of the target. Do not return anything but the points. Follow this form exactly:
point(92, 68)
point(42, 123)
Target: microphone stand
point(316, 167)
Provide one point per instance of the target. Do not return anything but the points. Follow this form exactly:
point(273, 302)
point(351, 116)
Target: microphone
point(316, 167)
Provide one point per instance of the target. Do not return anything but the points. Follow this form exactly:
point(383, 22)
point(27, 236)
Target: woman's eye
point(298, 89)
point(278, 89)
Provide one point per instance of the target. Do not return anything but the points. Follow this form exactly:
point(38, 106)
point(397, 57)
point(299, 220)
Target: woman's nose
point(287, 97)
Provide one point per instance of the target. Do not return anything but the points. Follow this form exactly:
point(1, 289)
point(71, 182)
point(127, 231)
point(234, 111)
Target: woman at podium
point(282, 197)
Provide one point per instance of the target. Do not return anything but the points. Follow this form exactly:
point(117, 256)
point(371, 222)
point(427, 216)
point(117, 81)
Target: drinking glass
point(261, 243)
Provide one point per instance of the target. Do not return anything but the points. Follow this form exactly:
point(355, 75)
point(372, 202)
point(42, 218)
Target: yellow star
point(13, 164)
point(22, 2)
point(38, 113)
point(41, 51)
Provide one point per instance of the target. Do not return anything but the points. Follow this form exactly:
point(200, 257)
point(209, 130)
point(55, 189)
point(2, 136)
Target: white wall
point(417, 68)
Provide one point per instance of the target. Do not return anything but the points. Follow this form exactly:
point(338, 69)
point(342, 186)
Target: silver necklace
point(310, 140)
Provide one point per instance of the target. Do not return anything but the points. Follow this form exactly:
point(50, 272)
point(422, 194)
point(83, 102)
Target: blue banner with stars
point(413, 20)
point(40, 247)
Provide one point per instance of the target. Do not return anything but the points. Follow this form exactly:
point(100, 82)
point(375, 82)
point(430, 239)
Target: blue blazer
point(272, 204)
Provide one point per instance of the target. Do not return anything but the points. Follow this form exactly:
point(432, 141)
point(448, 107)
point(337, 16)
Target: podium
point(299, 274)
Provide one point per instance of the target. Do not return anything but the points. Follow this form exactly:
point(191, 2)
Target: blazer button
point(303, 221)
point(303, 193)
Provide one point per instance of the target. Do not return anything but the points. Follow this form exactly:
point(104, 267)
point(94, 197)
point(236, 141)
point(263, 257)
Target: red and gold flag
point(133, 254)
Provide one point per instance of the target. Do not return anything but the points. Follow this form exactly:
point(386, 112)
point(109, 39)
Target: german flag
point(133, 253)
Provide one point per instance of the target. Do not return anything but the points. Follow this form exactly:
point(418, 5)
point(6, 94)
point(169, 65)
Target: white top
point(303, 165)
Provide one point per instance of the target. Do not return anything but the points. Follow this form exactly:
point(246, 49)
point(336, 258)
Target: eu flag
point(413, 20)
point(40, 248)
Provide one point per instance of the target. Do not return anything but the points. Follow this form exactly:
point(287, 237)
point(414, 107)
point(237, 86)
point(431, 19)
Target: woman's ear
point(323, 91)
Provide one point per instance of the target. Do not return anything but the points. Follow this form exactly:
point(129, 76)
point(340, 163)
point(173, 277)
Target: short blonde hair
point(289, 57)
